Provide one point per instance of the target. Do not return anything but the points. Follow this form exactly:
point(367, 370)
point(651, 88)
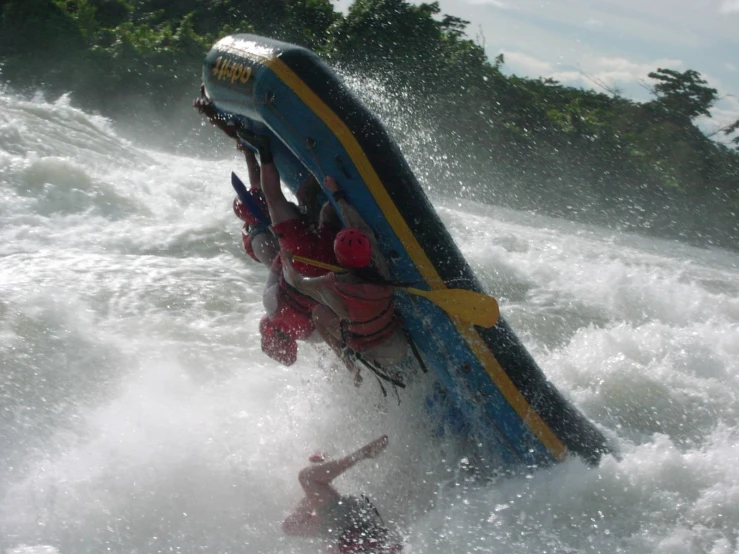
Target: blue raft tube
point(317, 126)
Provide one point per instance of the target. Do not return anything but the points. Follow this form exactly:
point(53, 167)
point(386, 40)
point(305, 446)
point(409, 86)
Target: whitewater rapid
point(138, 414)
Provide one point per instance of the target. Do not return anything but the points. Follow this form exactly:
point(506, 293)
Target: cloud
point(614, 42)
point(724, 113)
point(495, 3)
point(729, 6)
point(613, 73)
point(592, 71)
point(524, 64)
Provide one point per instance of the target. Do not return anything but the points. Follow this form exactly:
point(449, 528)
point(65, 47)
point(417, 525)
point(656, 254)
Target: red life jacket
point(300, 237)
point(295, 310)
point(372, 316)
point(292, 306)
point(293, 321)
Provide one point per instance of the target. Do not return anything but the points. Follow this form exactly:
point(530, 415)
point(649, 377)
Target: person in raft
point(296, 233)
point(349, 524)
point(288, 318)
point(356, 313)
point(258, 241)
point(285, 321)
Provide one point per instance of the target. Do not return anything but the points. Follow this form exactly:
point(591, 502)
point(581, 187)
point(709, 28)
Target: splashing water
point(138, 414)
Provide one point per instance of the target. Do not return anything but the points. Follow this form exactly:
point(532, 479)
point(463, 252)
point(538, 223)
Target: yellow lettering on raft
point(217, 67)
point(225, 70)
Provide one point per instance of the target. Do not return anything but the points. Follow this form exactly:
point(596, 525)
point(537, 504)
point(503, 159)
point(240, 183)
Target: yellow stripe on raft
point(514, 397)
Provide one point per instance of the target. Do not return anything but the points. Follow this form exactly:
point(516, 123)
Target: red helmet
point(240, 210)
point(247, 214)
point(352, 248)
point(276, 344)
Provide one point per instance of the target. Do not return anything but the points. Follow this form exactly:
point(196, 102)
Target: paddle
point(251, 204)
point(467, 305)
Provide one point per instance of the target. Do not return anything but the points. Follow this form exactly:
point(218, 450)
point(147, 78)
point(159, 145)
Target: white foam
point(145, 417)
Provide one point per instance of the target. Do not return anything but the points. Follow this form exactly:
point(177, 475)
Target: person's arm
point(315, 287)
point(205, 106)
point(315, 480)
point(252, 166)
point(350, 216)
point(303, 522)
point(352, 219)
point(269, 296)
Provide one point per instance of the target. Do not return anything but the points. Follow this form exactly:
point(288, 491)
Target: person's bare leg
point(316, 482)
point(328, 216)
point(327, 323)
point(393, 351)
point(316, 478)
point(280, 209)
point(328, 326)
point(303, 521)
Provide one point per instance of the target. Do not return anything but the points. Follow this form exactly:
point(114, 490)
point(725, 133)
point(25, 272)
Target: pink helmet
point(352, 248)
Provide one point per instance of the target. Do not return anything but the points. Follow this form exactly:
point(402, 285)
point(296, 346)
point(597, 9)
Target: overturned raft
point(316, 124)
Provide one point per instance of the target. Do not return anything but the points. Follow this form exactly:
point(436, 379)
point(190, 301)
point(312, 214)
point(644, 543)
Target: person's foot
point(374, 448)
point(203, 104)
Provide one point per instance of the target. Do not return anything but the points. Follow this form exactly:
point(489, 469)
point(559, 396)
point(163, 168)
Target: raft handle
point(342, 167)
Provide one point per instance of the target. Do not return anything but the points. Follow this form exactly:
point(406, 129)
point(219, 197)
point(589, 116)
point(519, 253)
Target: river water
point(138, 414)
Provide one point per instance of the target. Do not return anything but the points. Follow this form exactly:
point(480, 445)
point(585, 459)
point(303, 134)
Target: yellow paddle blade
point(467, 305)
point(470, 306)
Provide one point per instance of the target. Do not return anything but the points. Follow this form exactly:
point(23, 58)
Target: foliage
point(734, 127)
point(566, 151)
point(682, 94)
point(31, 28)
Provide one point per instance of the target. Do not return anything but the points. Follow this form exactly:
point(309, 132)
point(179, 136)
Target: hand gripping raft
point(316, 124)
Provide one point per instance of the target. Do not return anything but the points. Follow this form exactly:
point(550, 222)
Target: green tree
point(731, 129)
point(683, 94)
point(307, 22)
point(41, 43)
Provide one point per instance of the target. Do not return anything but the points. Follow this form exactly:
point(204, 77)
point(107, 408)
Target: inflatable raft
point(317, 125)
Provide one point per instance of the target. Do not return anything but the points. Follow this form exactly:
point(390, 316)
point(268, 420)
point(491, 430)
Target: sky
point(616, 43)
